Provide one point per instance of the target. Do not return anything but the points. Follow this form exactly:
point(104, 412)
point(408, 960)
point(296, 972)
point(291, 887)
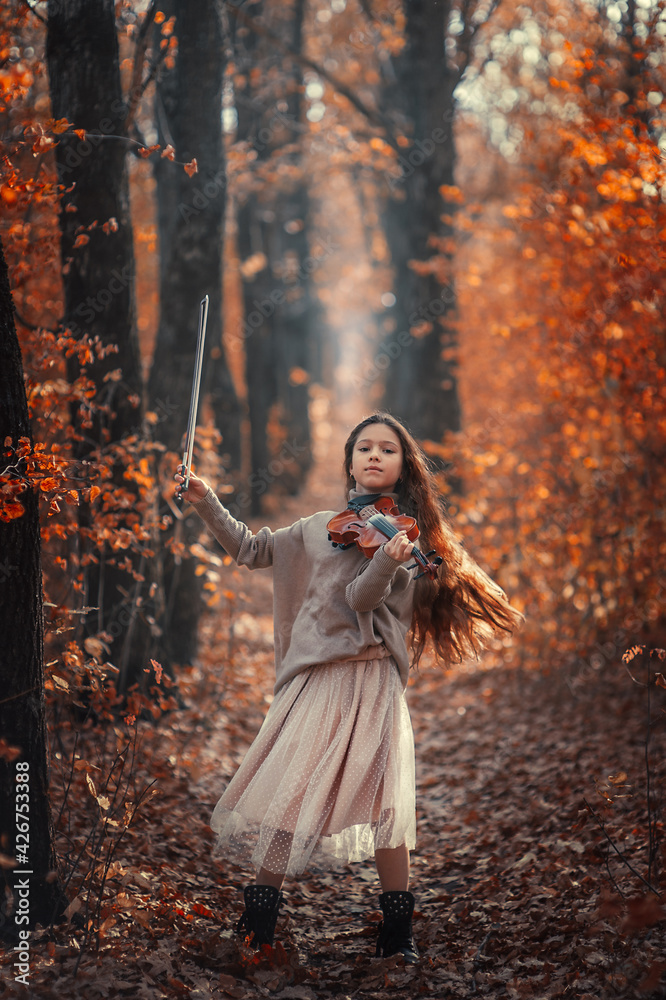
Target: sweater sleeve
point(247, 549)
point(374, 583)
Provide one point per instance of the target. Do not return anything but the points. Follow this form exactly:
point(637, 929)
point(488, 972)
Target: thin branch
point(162, 120)
point(470, 33)
point(136, 87)
point(13, 697)
point(619, 852)
point(479, 954)
point(367, 10)
point(32, 9)
point(374, 116)
point(98, 137)
point(32, 326)
point(648, 789)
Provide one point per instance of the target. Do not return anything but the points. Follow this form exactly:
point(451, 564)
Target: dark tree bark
point(421, 382)
point(281, 315)
point(98, 282)
point(256, 224)
point(296, 318)
point(25, 817)
point(191, 226)
point(99, 274)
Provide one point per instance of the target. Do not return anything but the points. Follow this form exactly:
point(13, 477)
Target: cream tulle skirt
point(330, 776)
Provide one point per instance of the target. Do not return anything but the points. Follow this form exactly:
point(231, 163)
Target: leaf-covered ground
point(511, 872)
point(522, 890)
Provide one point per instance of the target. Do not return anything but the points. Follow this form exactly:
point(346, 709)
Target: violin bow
point(194, 398)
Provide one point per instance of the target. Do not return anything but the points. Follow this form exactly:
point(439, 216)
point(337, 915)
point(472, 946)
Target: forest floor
point(531, 808)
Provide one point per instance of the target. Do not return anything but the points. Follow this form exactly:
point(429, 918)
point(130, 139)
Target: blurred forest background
point(455, 210)
point(471, 237)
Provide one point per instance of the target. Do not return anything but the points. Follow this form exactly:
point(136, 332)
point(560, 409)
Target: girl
point(330, 776)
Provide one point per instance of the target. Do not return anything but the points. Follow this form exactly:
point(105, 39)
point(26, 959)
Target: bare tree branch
point(136, 87)
point(619, 853)
point(372, 114)
point(470, 32)
point(32, 9)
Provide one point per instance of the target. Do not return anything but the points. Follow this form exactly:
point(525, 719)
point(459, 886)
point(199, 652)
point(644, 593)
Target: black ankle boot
point(262, 904)
point(395, 930)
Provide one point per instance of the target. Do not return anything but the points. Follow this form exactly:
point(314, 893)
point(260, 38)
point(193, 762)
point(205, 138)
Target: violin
point(369, 520)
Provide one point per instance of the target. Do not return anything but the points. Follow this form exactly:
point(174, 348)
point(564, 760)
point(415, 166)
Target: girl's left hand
point(399, 547)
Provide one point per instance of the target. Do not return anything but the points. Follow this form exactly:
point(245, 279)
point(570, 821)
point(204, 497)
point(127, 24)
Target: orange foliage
point(117, 517)
point(562, 373)
point(564, 469)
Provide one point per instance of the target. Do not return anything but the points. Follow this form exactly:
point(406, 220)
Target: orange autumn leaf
point(58, 125)
point(146, 151)
point(168, 152)
point(8, 194)
point(10, 511)
point(191, 168)
point(451, 193)
point(43, 143)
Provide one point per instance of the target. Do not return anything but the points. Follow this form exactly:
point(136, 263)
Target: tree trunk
point(421, 383)
point(98, 281)
point(191, 239)
point(26, 830)
point(98, 259)
point(280, 310)
point(295, 317)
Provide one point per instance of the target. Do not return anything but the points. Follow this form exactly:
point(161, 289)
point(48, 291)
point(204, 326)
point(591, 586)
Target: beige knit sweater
point(328, 603)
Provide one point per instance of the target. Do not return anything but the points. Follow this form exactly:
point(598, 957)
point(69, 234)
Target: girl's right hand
point(197, 489)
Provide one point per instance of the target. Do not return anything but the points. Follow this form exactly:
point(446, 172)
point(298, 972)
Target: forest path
point(510, 871)
point(508, 868)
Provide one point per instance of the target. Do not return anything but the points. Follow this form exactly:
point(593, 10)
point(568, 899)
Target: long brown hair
point(463, 608)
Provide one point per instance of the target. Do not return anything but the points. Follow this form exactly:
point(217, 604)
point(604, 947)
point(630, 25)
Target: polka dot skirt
point(330, 776)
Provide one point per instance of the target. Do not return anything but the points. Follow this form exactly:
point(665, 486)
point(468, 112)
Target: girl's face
point(376, 459)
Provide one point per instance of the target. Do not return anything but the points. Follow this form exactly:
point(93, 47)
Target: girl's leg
point(275, 858)
point(393, 868)
point(397, 903)
point(263, 899)
point(264, 877)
